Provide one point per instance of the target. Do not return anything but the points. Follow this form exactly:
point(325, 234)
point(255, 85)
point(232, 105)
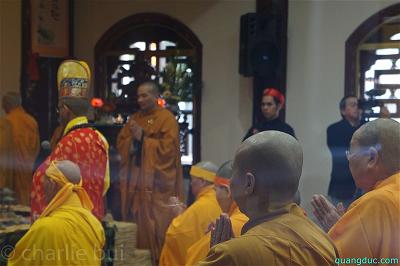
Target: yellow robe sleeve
point(229, 253)
point(199, 250)
point(188, 228)
point(373, 224)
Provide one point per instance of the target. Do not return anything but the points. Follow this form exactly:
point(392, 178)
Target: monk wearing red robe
point(80, 142)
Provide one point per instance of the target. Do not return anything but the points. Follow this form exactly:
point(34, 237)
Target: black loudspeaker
point(259, 52)
point(247, 38)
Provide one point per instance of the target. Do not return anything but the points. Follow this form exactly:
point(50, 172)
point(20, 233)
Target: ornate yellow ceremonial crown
point(73, 79)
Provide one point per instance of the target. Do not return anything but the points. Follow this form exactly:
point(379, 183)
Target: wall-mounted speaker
point(259, 52)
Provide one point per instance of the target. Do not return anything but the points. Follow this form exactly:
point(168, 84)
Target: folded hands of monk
point(136, 130)
point(326, 213)
point(222, 230)
point(177, 207)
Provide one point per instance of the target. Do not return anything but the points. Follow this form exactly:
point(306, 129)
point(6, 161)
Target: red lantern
point(161, 102)
point(97, 102)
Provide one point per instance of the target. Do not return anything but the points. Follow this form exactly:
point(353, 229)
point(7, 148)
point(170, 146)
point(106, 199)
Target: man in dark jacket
point(342, 187)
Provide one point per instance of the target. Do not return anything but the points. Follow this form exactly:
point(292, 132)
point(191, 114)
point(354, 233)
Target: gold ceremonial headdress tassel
point(73, 79)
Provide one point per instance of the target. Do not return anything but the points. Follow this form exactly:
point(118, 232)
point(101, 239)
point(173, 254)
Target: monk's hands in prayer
point(222, 231)
point(136, 130)
point(326, 213)
point(177, 207)
point(211, 226)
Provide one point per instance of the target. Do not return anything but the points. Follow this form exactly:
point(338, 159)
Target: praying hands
point(326, 213)
point(222, 231)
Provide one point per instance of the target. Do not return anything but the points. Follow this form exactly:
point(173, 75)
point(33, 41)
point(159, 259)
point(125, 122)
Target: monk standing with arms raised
point(150, 170)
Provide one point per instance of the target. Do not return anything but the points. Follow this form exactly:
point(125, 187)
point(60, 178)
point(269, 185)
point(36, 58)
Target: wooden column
point(277, 9)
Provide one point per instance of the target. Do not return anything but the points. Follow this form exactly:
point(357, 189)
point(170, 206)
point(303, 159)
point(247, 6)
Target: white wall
point(10, 46)
point(317, 31)
point(226, 97)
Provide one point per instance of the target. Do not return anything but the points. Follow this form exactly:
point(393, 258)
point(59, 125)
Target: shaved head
point(201, 180)
point(70, 170)
point(222, 191)
point(275, 161)
point(11, 100)
point(207, 165)
point(152, 88)
point(78, 106)
point(225, 170)
point(384, 134)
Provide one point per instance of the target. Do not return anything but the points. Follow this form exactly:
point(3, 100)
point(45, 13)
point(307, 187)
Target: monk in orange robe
point(6, 151)
point(199, 250)
point(25, 134)
point(266, 174)
point(150, 169)
point(192, 224)
point(370, 228)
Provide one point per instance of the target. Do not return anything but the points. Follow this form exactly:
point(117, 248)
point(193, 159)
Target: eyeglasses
point(361, 150)
point(348, 154)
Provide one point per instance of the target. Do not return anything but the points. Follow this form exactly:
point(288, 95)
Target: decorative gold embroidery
point(150, 121)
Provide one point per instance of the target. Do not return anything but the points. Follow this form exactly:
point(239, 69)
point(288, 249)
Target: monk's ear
point(250, 183)
point(228, 190)
point(373, 157)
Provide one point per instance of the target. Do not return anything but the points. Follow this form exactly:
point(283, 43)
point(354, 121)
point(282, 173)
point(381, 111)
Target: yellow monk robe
point(147, 186)
point(285, 237)
point(26, 148)
point(371, 225)
point(189, 227)
point(199, 250)
point(67, 233)
point(6, 151)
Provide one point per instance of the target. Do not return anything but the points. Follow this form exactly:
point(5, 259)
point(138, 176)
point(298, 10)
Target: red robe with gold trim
point(86, 148)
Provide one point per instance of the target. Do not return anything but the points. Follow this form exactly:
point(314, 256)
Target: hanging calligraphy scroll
point(50, 27)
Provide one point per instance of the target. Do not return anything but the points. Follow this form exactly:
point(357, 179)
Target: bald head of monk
point(72, 173)
point(222, 189)
point(200, 180)
point(148, 93)
point(71, 107)
point(266, 172)
point(10, 101)
point(374, 152)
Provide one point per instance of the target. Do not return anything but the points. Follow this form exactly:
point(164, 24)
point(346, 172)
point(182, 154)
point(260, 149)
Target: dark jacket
point(275, 124)
point(339, 135)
